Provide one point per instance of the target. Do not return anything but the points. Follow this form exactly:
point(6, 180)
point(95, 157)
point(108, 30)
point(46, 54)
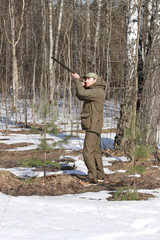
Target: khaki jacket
point(92, 112)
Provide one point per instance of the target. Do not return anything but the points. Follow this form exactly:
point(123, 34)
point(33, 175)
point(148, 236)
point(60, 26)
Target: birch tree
point(88, 44)
point(57, 46)
point(75, 25)
point(34, 77)
point(149, 9)
point(14, 41)
point(108, 39)
point(51, 69)
point(99, 2)
point(53, 65)
point(150, 107)
point(58, 28)
point(43, 47)
point(128, 106)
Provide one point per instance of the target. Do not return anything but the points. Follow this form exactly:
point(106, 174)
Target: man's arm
point(76, 76)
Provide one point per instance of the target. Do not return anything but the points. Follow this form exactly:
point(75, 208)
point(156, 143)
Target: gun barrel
point(65, 67)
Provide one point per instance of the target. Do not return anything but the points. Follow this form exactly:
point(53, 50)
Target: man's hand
point(75, 76)
point(83, 82)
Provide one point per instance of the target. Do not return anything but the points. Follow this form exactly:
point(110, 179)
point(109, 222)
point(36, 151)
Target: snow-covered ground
point(88, 216)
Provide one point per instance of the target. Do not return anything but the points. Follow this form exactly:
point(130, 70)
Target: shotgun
point(65, 67)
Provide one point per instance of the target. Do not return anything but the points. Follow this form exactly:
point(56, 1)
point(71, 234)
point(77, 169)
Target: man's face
point(89, 81)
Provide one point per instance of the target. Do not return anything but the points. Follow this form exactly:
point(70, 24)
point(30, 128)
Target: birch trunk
point(148, 26)
point(76, 36)
point(51, 71)
point(150, 108)
point(6, 88)
point(57, 46)
point(53, 65)
point(99, 2)
point(14, 43)
point(59, 28)
point(44, 49)
point(128, 106)
point(88, 35)
point(14, 59)
point(108, 39)
point(33, 81)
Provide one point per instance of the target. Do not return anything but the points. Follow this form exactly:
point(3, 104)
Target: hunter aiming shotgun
point(65, 67)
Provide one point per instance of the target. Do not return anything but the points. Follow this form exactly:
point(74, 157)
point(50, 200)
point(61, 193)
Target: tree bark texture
point(150, 107)
point(127, 106)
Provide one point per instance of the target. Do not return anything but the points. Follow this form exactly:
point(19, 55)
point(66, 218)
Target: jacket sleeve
point(77, 95)
point(85, 94)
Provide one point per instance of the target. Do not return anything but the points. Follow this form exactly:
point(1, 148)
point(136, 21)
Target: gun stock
point(65, 67)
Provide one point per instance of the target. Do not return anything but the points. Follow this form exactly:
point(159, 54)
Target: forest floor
point(60, 184)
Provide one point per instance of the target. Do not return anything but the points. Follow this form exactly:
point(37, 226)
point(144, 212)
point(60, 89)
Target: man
point(92, 91)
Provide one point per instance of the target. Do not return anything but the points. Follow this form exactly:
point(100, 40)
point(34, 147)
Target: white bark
point(14, 43)
point(57, 45)
point(149, 25)
point(128, 108)
point(34, 80)
point(14, 60)
point(53, 65)
point(51, 76)
point(59, 28)
point(157, 19)
point(99, 2)
point(76, 36)
point(44, 47)
point(108, 39)
point(149, 13)
point(132, 33)
point(88, 29)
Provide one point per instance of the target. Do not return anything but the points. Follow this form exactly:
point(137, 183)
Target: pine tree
point(49, 126)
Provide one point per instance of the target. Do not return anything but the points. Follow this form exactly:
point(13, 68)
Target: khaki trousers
point(93, 156)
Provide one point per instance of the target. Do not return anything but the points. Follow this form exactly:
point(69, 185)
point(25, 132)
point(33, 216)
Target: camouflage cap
point(91, 74)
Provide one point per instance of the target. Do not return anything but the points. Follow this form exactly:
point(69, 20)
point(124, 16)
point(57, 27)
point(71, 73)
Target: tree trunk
point(6, 88)
point(108, 40)
point(97, 33)
point(34, 81)
point(43, 82)
point(128, 108)
point(150, 107)
point(59, 29)
point(14, 58)
point(56, 49)
point(51, 70)
point(76, 36)
point(88, 36)
point(14, 43)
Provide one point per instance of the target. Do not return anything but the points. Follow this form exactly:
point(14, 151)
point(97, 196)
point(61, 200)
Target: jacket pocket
point(85, 121)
